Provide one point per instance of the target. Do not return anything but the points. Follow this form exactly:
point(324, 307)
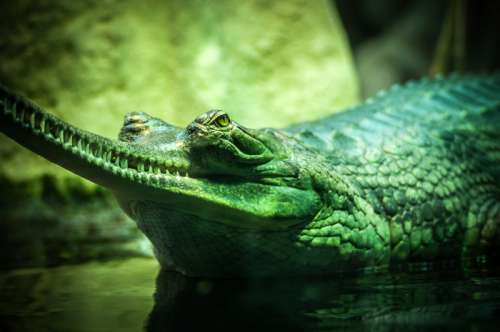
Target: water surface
point(131, 295)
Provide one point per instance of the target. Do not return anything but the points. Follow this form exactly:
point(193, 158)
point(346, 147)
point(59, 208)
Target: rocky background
point(89, 62)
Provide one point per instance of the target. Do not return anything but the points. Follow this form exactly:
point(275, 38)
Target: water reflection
point(440, 300)
point(118, 296)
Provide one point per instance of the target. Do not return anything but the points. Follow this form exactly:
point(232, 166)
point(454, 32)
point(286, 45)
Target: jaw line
point(108, 163)
point(240, 204)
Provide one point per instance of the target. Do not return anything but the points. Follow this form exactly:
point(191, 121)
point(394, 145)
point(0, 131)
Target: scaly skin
point(410, 175)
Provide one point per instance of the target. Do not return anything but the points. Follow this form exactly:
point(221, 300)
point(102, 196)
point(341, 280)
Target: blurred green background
point(267, 63)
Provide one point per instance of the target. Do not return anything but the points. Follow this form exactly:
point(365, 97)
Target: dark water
point(119, 296)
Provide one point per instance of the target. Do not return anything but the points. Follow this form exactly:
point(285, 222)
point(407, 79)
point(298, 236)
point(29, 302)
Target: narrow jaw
point(97, 158)
point(138, 172)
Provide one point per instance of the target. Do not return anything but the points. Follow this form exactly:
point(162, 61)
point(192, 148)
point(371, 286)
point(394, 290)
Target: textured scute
point(426, 157)
point(200, 247)
point(434, 105)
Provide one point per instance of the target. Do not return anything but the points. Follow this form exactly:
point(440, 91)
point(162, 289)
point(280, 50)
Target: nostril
point(135, 127)
point(135, 117)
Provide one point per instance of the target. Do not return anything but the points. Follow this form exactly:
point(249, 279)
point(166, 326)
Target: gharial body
point(411, 175)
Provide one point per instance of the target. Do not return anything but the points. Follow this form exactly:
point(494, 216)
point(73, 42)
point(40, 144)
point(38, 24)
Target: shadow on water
point(432, 301)
point(118, 296)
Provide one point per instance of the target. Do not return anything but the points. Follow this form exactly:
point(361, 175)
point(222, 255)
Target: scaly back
point(455, 103)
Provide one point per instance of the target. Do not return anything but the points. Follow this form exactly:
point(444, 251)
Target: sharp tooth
point(124, 163)
point(177, 173)
point(61, 135)
point(93, 150)
point(107, 156)
point(56, 131)
point(32, 120)
point(49, 127)
point(117, 160)
point(42, 124)
point(8, 107)
point(46, 127)
point(14, 111)
point(20, 116)
point(74, 139)
point(140, 166)
point(99, 150)
point(163, 168)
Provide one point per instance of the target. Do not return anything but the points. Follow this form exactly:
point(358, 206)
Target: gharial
point(410, 175)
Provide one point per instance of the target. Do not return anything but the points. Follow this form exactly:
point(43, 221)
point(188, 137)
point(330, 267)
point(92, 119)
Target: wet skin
point(410, 175)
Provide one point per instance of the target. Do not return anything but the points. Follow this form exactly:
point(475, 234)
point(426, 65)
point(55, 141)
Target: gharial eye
point(222, 120)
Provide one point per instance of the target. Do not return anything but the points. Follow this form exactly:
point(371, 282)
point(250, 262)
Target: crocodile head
point(215, 169)
point(215, 198)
